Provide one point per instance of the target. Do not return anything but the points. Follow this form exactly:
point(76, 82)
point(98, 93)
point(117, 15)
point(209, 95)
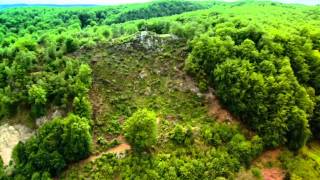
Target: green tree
point(183, 136)
point(141, 130)
point(82, 107)
point(56, 144)
point(71, 45)
point(38, 98)
point(37, 94)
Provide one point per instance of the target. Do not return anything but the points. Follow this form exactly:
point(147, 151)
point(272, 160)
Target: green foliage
point(82, 107)
point(141, 130)
point(182, 136)
point(26, 44)
point(176, 166)
point(56, 144)
point(106, 32)
point(244, 150)
point(38, 98)
point(159, 9)
point(41, 176)
point(260, 57)
point(37, 95)
point(256, 172)
point(159, 27)
point(2, 171)
point(217, 134)
point(71, 45)
point(315, 121)
point(257, 77)
point(300, 167)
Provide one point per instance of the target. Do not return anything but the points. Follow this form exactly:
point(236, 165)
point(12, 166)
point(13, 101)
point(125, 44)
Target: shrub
point(71, 45)
point(256, 172)
point(218, 133)
point(245, 150)
point(2, 172)
point(82, 107)
point(106, 32)
point(141, 130)
point(183, 136)
point(57, 143)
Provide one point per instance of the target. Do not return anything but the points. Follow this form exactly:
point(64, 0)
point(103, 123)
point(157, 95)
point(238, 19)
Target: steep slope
point(146, 71)
point(260, 59)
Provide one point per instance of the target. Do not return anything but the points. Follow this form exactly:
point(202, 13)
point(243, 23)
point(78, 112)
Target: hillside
point(161, 90)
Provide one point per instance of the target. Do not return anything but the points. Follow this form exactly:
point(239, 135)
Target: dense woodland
point(261, 58)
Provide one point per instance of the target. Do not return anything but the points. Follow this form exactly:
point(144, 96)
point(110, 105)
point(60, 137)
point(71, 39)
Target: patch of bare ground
point(118, 150)
point(10, 136)
point(273, 174)
point(270, 157)
point(215, 108)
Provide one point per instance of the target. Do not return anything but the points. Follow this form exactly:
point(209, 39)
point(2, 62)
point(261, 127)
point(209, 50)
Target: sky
point(71, 1)
point(119, 1)
point(299, 1)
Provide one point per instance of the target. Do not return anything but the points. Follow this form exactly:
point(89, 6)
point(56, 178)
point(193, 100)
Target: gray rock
point(10, 136)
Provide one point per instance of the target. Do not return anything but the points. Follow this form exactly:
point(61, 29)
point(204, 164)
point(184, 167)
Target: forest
point(170, 89)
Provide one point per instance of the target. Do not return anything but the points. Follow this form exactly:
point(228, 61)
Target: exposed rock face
point(152, 41)
point(10, 135)
point(55, 114)
point(147, 41)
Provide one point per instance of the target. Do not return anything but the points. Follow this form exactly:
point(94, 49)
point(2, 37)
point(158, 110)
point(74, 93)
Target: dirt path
point(216, 110)
point(272, 173)
point(120, 149)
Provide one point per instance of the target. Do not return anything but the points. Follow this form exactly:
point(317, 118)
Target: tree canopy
point(141, 130)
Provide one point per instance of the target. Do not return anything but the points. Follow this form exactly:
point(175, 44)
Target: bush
point(41, 176)
point(71, 45)
point(256, 172)
point(187, 31)
point(218, 133)
point(26, 44)
point(301, 166)
point(141, 130)
point(245, 150)
point(159, 27)
point(56, 144)
point(38, 98)
point(82, 107)
point(106, 32)
point(2, 172)
point(182, 136)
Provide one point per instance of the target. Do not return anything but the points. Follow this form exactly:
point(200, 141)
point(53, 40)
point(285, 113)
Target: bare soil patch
point(273, 174)
point(120, 149)
point(216, 110)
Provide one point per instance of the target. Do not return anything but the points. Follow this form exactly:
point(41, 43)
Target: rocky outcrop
point(9, 137)
point(56, 113)
point(147, 41)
